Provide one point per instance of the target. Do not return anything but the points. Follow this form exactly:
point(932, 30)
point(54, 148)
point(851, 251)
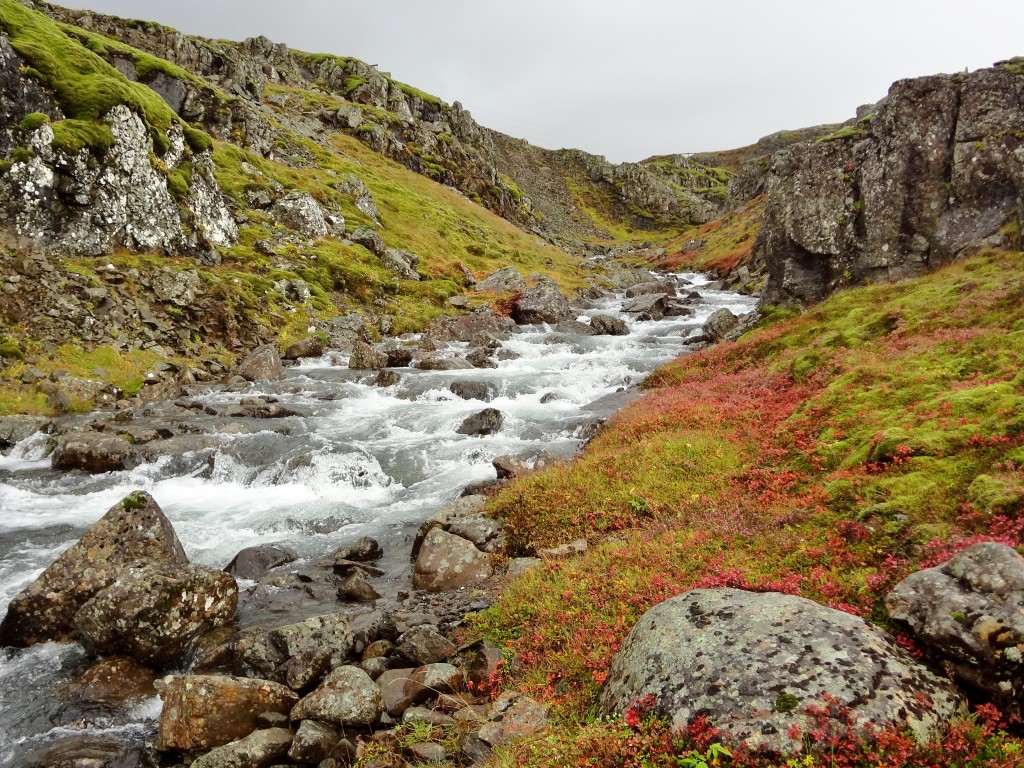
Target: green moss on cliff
point(74, 135)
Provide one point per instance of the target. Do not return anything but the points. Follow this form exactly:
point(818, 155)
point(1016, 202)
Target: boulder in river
point(969, 613)
point(205, 711)
point(94, 452)
point(152, 612)
point(262, 364)
point(364, 550)
point(133, 529)
point(465, 327)
point(366, 358)
point(755, 664)
point(721, 322)
point(486, 422)
point(472, 390)
point(311, 346)
point(254, 562)
point(446, 561)
point(649, 306)
point(543, 303)
point(111, 682)
point(606, 325)
point(260, 749)
point(662, 287)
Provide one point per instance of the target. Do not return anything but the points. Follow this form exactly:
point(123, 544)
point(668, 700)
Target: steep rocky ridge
point(934, 170)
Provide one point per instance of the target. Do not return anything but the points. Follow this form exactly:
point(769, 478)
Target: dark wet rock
point(313, 742)
point(513, 716)
point(647, 307)
point(486, 340)
point(14, 429)
point(508, 467)
point(262, 364)
point(576, 328)
point(111, 682)
point(543, 303)
point(305, 670)
point(387, 378)
point(311, 346)
point(364, 550)
point(466, 326)
point(205, 711)
point(356, 588)
point(662, 287)
point(152, 612)
point(721, 322)
point(472, 390)
point(486, 422)
point(505, 280)
point(447, 562)
point(969, 613)
point(93, 452)
point(260, 749)
point(399, 357)
point(754, 662)
point(678, 308)
point(480, 358)
point(552, 397)
point(606, 325)
point(424, 645)
point(366, 358)
point(348, 697)
point(344, 567)
point(255, 562)
point(133, 529)
point(260, 652)
point(394, 692)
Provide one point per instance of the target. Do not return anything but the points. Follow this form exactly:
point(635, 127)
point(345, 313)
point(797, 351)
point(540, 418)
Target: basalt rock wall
point(933, 171)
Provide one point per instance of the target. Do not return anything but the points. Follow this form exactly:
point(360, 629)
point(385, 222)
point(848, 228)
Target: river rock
point(754, 662)
point(663, 287)
point(466, 326)
point(311, 346)
point(505, 280)
point(299, 211)
point(260, 651)
point(254, 562)
point(394, 692)
point(472, 390)
point(152, 612)
point(424, 645)
point(84, 752)
point(969, 613)
point(432, 680)
point(647, 307)
point(366, 358)
point(262, 364)
point(93, 452)
point(15, 428)
point(356, 588)
point(486, 422)
point(260, 749)
point(348, 697)
point(313, 742)
point(305, 670)
point(133, 529)
point(112, 682)
point(446, 562)
point(606, 325)
point(543, 303)
point(205, 711)
point(720, 323)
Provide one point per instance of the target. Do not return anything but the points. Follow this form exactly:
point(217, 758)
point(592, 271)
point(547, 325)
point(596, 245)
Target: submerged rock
point(254, 562)
point(486, 422)
point(969, 613)
point(133, 529)
point(754, 664)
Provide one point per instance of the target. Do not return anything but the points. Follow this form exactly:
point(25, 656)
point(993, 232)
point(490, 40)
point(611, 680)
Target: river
point(363, 460)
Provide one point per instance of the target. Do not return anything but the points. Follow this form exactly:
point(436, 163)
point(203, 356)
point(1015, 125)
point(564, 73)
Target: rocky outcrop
point(134, 529)
point(543, 303)
point(756, 664)
point(935, 169)
point(969, 613)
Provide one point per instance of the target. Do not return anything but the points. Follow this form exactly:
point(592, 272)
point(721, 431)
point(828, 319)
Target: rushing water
point(365, 461)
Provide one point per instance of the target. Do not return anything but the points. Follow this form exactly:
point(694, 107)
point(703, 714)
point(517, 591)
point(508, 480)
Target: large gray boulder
point(93, 452)
point(366, 358)
point(504, 280)
point(152, 612)
point(260, 749)
point(755, 663)
point(262, 652)
point(969, 613)
point(348, 697)
point(446, 561)
point(543, 303)
point(299, 211)
point(606, 325)
point(262, 364)
point(133, 529)
point(720, 324)
point(465, 327)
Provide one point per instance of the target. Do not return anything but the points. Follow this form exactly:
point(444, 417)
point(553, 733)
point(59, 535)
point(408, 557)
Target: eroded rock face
point(753, 663)
point(152, 612)
point(133, 529)
point(205, 711)
point(937, 168)
point(969, 612)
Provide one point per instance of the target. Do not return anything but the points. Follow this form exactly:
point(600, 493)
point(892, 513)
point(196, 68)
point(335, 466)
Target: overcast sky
point(629, 79)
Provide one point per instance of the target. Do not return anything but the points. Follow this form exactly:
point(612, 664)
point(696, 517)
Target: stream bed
point(362, 460)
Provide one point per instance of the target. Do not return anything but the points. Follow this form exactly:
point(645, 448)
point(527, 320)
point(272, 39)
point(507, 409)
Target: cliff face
point(936, 169)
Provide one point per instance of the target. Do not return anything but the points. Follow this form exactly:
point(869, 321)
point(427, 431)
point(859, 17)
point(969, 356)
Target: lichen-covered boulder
point(505, 279)
point(205, 711)
point(93, 452)
point(299, 211)
point(446, 561)
point(606, 325)
point(755, 663)
point(366, 358)
point(466, 326)
point(720, 323)
point(543, 303)
point(152, 612)
point(111, 682)
point(262, 364)
point(261, 652)
point(348, 697)
point(133, 529)
point(260, 749)
point(969, 612)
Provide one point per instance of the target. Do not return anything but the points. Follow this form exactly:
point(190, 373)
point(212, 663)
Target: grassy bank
point(826, 455)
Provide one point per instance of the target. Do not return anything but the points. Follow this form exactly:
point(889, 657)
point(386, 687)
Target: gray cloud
point(629, 79)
